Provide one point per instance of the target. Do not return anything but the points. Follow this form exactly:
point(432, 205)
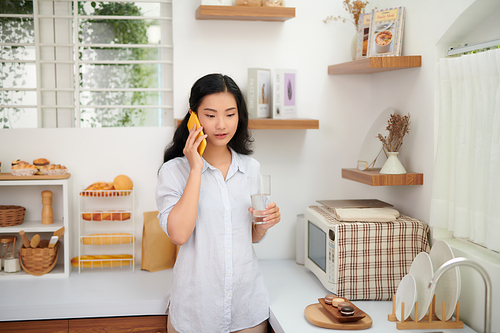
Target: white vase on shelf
point(393, 165)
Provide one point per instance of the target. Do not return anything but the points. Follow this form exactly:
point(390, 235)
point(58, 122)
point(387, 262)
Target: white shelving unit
point(26, 191)
point(106, 229)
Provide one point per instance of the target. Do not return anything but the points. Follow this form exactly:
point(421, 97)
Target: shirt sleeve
point(168, 193)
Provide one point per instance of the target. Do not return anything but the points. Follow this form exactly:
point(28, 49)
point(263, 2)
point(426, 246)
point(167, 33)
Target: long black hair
point(207, 85)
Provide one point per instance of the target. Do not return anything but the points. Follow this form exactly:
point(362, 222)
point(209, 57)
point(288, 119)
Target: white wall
point(94, 155)
point(305, 164)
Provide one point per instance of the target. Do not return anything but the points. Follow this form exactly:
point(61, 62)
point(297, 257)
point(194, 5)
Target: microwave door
point(316, 246)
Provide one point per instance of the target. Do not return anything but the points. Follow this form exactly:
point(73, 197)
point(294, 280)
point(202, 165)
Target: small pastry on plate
point(39, 163)
point(347, 310)
point(329, 298)
point(23, 169)
point(336, 301)
point(53, 169)
point(16, 162)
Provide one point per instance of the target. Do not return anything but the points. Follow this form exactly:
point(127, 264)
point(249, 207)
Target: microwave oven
point(321, 250)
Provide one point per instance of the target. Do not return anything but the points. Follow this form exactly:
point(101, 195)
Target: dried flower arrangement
point(398, 127)
point(355, 8)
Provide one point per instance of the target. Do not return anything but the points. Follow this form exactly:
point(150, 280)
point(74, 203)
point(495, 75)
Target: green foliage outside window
point(117, 76)
point(13, 30)
point(111, 76)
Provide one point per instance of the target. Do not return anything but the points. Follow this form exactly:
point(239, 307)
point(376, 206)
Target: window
point(465, 194)
point(73, 63)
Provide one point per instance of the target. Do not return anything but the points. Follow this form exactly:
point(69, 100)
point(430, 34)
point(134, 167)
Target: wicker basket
point(11, 215)
point(41, 260)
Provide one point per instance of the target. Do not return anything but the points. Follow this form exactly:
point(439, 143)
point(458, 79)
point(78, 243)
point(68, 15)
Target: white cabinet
point(26, 191)
point(105, 229)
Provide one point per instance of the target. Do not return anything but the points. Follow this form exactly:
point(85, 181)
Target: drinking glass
point(260, 193)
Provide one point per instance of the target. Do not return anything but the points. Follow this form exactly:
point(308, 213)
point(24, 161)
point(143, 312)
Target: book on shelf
point(363, 35)
point(284, 94)
point(258, 93)
point(386, 32)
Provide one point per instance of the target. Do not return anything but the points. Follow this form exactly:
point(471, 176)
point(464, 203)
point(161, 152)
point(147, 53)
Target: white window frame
point(56, 51)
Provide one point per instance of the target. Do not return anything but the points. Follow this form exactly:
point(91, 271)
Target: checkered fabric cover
point(375, 256)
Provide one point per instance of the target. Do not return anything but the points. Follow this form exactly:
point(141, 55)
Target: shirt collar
point(236, 164)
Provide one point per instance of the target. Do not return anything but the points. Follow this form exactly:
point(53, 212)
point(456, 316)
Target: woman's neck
point(218, 157)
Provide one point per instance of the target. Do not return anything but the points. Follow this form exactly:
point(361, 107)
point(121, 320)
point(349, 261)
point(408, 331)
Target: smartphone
point(193, 119)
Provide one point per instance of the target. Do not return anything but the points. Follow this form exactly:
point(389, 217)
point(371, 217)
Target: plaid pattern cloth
point(375, 256)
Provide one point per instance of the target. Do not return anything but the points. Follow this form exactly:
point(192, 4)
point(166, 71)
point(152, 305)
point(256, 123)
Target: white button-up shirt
point(217, 285)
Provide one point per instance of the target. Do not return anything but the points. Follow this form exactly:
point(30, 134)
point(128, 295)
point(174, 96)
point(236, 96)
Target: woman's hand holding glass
point(273, 216)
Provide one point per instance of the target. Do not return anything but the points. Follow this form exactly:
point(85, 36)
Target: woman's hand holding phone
point(196, 142)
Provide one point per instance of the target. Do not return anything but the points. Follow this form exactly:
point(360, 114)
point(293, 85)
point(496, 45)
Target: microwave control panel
point(331, 256)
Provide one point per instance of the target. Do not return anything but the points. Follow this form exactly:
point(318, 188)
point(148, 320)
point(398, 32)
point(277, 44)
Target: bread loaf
point(110, 215)
point(108, 239)
point(99, 261)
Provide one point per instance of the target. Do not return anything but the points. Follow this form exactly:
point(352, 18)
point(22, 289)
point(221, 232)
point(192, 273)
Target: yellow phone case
point(193, 119)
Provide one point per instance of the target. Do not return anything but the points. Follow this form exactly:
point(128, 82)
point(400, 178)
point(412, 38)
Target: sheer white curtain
point(466, 187)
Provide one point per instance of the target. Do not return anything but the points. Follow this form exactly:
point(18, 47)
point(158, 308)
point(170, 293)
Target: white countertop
point(93, 293)
point(292, 288)
point(121, 292)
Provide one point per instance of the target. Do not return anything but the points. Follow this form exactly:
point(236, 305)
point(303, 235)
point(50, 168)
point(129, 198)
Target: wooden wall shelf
point(375, 65)
point(283, 124)
point(267, 123)
point(245, 13)
point(375, 178)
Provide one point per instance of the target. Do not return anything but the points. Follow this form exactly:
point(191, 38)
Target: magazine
point(386, 32)
point(284, 94)
point(363, 35)
point(258, 92)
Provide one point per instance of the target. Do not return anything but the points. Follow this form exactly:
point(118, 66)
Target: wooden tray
point(317, 315)
point(9, 176)
point(358, 314)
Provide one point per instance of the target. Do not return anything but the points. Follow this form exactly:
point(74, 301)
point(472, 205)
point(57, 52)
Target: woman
point(204, 205)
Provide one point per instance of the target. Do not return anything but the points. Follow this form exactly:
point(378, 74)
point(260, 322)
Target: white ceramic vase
point(393, 166)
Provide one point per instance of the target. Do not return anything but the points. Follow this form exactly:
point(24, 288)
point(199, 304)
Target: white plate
point(448, 287)
point(421, 270)
point(407, 293)
point(372, 146)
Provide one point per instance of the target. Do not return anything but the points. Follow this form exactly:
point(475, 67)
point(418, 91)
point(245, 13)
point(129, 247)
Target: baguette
point(108, 239)
point(99, 261)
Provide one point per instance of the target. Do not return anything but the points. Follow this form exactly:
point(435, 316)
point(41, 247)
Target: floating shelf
point(375, 178)
point(245, 13)
point(375, 65)
point(267, 123)
point(283, 124)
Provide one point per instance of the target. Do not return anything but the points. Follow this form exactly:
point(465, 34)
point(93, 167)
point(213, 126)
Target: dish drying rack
point(429, 321)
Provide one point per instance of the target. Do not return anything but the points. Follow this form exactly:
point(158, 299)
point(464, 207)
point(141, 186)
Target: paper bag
point(158, 251)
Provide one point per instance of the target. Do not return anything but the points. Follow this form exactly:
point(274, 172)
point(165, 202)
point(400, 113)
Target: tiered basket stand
point(429, 321)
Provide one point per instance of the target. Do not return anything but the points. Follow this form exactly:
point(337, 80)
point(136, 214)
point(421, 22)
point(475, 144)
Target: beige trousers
point(261, 328)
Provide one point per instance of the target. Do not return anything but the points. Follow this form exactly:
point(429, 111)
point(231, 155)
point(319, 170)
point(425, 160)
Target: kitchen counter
point(121, 292)
point(292, 288)
point(92, 293)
